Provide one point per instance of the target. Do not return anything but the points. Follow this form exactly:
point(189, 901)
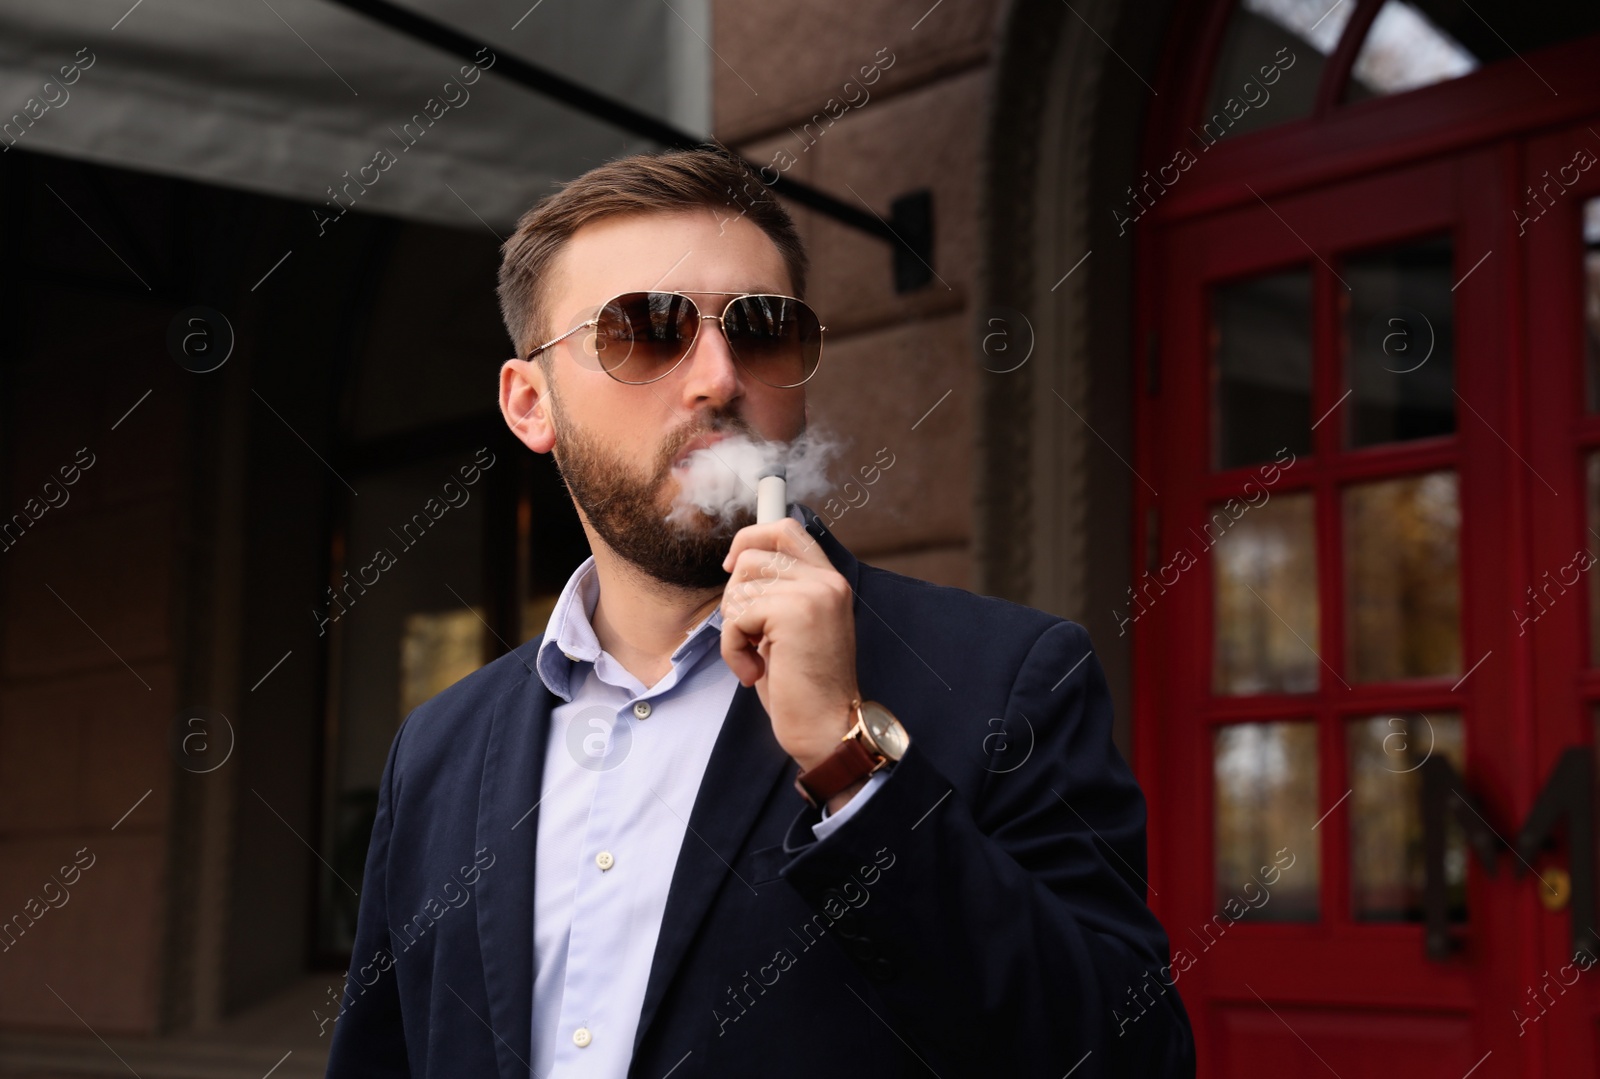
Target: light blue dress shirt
point(623, 765)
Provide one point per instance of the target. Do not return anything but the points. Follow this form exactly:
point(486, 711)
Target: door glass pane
point(407, 621)
point(1264, 573)
point(1405, 50)
point(1402, 587)
point(1555, 583)
point(1270, 63)
point(1591, 298)
point(1261, 366)
point(1399, 339)
point(1594, 730)
point(1386, 754)
point(1417, 44)
point(1265, 777)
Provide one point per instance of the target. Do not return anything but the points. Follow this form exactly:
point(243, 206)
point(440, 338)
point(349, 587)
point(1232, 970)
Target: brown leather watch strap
point(846, 764)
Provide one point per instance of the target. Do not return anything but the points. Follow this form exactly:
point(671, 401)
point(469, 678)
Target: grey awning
point(294, 97)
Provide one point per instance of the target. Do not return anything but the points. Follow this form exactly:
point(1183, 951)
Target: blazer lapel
point(745, 763)
point(508, 821)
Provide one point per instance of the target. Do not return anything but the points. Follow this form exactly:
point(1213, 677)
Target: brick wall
point(889, 358)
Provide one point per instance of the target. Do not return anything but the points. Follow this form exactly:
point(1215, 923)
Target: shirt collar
point(569, 636)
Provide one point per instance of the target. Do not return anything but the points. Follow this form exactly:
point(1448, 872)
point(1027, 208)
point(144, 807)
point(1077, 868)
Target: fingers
point(785, 537)
point(748, 611)
point(741, 657)
point(761, 555)
point(760, 573)
point(775, 569)
point(755, 569)
point(742, 629)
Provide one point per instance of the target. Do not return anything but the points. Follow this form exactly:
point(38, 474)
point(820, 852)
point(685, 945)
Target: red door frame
point(1461, 138)
point(1566, 686)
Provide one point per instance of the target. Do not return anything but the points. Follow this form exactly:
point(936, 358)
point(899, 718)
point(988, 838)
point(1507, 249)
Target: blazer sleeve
point(369, 1036)
point(1009, 936)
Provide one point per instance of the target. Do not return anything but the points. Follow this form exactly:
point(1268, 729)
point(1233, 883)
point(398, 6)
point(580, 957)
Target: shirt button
point(642, 709)
point(581, 1037)
point(604, 860)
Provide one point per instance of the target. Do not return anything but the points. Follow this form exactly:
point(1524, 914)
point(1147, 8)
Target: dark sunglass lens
point(777, 339)
point(640, 335)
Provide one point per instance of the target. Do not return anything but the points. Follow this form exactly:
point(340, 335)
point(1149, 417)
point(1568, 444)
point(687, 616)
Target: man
point(742, 809)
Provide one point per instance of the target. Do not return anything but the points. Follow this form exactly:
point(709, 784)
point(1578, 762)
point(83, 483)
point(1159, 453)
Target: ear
point(524, 402)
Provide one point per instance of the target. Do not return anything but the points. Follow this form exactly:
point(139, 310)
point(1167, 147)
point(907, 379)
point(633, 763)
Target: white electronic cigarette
point(772, 496)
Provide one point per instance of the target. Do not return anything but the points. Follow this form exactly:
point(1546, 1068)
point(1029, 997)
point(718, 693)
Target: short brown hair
point(665, 182)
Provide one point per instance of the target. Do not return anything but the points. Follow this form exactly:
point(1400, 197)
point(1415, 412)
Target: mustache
point(714, 423)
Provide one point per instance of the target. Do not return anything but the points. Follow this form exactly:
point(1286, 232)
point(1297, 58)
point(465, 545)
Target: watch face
point(884, 730)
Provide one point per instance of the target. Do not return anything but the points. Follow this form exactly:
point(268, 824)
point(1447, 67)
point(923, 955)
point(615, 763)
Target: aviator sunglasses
point(640, 337)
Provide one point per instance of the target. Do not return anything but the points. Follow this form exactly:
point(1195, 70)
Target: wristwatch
point(876, 740)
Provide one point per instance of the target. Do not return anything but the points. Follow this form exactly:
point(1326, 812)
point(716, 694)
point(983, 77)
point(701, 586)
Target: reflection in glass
point(1386, 753)
point(1265, 584)
point(1402, 578)
point(1265, 777)
point(1296, 37)
point(1405, 50)
point(1261, 366)
point(437, 650)
point(1591, 298)
point(1399, 339)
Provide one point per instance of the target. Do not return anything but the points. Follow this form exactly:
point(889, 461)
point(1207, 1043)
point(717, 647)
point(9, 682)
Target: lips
point(699, 442)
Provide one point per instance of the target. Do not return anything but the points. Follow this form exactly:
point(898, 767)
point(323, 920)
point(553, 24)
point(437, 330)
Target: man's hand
point(788, 627)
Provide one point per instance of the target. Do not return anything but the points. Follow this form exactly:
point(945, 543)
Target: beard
point(627, 510)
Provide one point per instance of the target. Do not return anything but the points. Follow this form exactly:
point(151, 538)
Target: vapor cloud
point(719, 481)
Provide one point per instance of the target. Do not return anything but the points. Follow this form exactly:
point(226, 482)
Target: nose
point(711, 375)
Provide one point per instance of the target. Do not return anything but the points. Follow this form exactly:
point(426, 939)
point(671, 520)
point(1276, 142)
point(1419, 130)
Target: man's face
point(618, 445)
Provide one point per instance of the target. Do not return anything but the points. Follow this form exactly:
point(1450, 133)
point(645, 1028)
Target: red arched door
point(1366, 697)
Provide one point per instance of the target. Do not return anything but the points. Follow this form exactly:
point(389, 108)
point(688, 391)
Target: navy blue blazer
point(983, 914)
